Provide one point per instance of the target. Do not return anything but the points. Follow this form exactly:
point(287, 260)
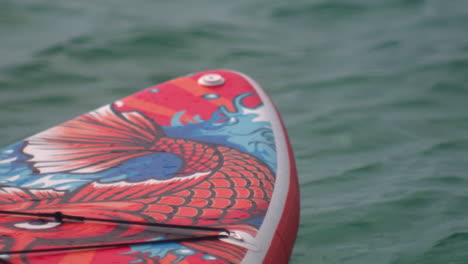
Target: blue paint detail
point(256, 222)
point(160, 250)
point(158, 166)
point(184, 252)
point(154, 90)
point(234, 129)
point(175, 121)
point(198, 118)
point(211, 96)
point(209, 257)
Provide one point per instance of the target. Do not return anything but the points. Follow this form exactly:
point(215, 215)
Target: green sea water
point(374, 95)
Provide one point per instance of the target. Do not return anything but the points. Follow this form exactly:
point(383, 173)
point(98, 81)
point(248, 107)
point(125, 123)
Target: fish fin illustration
point(16, 195)
point(127, 192)
point(92, 142)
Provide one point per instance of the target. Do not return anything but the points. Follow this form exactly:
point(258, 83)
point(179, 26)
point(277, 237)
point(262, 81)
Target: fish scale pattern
point(239, 190)
point(197, 157)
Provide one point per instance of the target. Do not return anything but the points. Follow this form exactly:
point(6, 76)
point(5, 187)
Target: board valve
point(210, 80)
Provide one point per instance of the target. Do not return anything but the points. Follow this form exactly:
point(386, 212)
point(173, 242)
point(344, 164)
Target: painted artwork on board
point(171, 154)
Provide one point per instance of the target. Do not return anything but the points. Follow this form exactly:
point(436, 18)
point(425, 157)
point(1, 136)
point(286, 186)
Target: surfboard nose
point(193, 98)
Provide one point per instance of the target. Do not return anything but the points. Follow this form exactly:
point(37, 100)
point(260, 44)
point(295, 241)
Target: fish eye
point(37, 224)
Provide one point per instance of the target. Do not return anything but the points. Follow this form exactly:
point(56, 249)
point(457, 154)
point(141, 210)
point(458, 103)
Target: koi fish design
point(215, 186)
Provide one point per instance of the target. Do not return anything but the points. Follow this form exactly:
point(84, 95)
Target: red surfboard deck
point(198, 169)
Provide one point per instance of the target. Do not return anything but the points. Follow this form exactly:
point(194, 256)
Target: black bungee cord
point(60, 217)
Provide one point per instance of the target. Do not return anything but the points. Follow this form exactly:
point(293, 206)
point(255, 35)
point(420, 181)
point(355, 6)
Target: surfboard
point(198, 169)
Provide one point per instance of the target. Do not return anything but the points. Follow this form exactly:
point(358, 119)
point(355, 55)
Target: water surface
point(374, 95)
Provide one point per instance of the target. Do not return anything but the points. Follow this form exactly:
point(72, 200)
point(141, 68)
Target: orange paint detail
point(221, 183)
point(242, 204)
point(149, 107)
point(236, 214)
point(78, 258)
point(200, 203)
point(172, 200)
point(191, 86)
point(170, 258)
point(221, 203)
point(242, 192)
point(223, 192)
point(206, 185)
point(202, 193)
point(164, 209)
point(181, 221)
point(187, 212)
